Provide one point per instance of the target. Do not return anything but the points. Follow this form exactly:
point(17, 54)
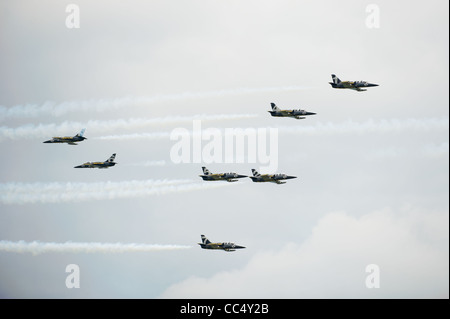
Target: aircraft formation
point(233, 177)
point(256, 177)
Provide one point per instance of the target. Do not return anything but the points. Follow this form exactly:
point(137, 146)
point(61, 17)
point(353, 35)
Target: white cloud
point(410, 247)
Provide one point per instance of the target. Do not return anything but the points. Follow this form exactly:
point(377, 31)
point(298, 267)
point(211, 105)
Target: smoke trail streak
point(136, 136)
point(31, 193)
point(36, 247)
point(148, 163)
point(54, 109)
point(47, 130)
point(369, 126)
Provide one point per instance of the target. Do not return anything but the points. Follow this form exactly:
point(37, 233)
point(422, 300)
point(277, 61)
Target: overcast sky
point(372, 167)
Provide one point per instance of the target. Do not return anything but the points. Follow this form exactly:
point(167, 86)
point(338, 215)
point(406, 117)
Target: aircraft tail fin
point(81, 133)
point(205, 240)
point(111, 159)
point(274, 107)
point(335, 79)
point(206, 171)
point(255, 172)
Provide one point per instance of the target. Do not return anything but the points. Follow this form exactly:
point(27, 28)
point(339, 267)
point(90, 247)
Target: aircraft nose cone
point(291, 177)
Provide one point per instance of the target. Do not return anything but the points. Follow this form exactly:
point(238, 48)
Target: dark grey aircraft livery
point(297, 114)
point(273, 178)
point(69, 140)
point(206, 244)
point(229, 177)
point(353, 85)
point(108, 163)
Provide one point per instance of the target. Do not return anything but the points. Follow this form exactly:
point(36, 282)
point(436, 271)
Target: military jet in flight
point(274, 178)
point(229, 177)
point(354, 85)
point(206, 244)
point(297, 114)
point(69, 140)
point(109, 162)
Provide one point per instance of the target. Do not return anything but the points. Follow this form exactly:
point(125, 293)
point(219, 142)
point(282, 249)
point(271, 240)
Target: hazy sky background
point(372, 167)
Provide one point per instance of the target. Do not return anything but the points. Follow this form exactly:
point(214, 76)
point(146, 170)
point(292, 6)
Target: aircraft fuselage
point(298, 114)
point(66, 139)
point(96, 165)
point(272, 178)
point(222, 246)
point(229, 177)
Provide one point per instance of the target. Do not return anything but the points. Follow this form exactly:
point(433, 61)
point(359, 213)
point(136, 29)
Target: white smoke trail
point(36, 247)
point(54, 109)
point(31, 193)
point(148, 163)
point(48, 130)
point(370, 126)
point(136, 136)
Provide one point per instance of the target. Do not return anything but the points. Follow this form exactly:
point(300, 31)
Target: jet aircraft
point(274, 178)
point(297, 114)
point(353, 85)
point(206, 244)
point(69, 140)
point(229, 177)
point(109, 162)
